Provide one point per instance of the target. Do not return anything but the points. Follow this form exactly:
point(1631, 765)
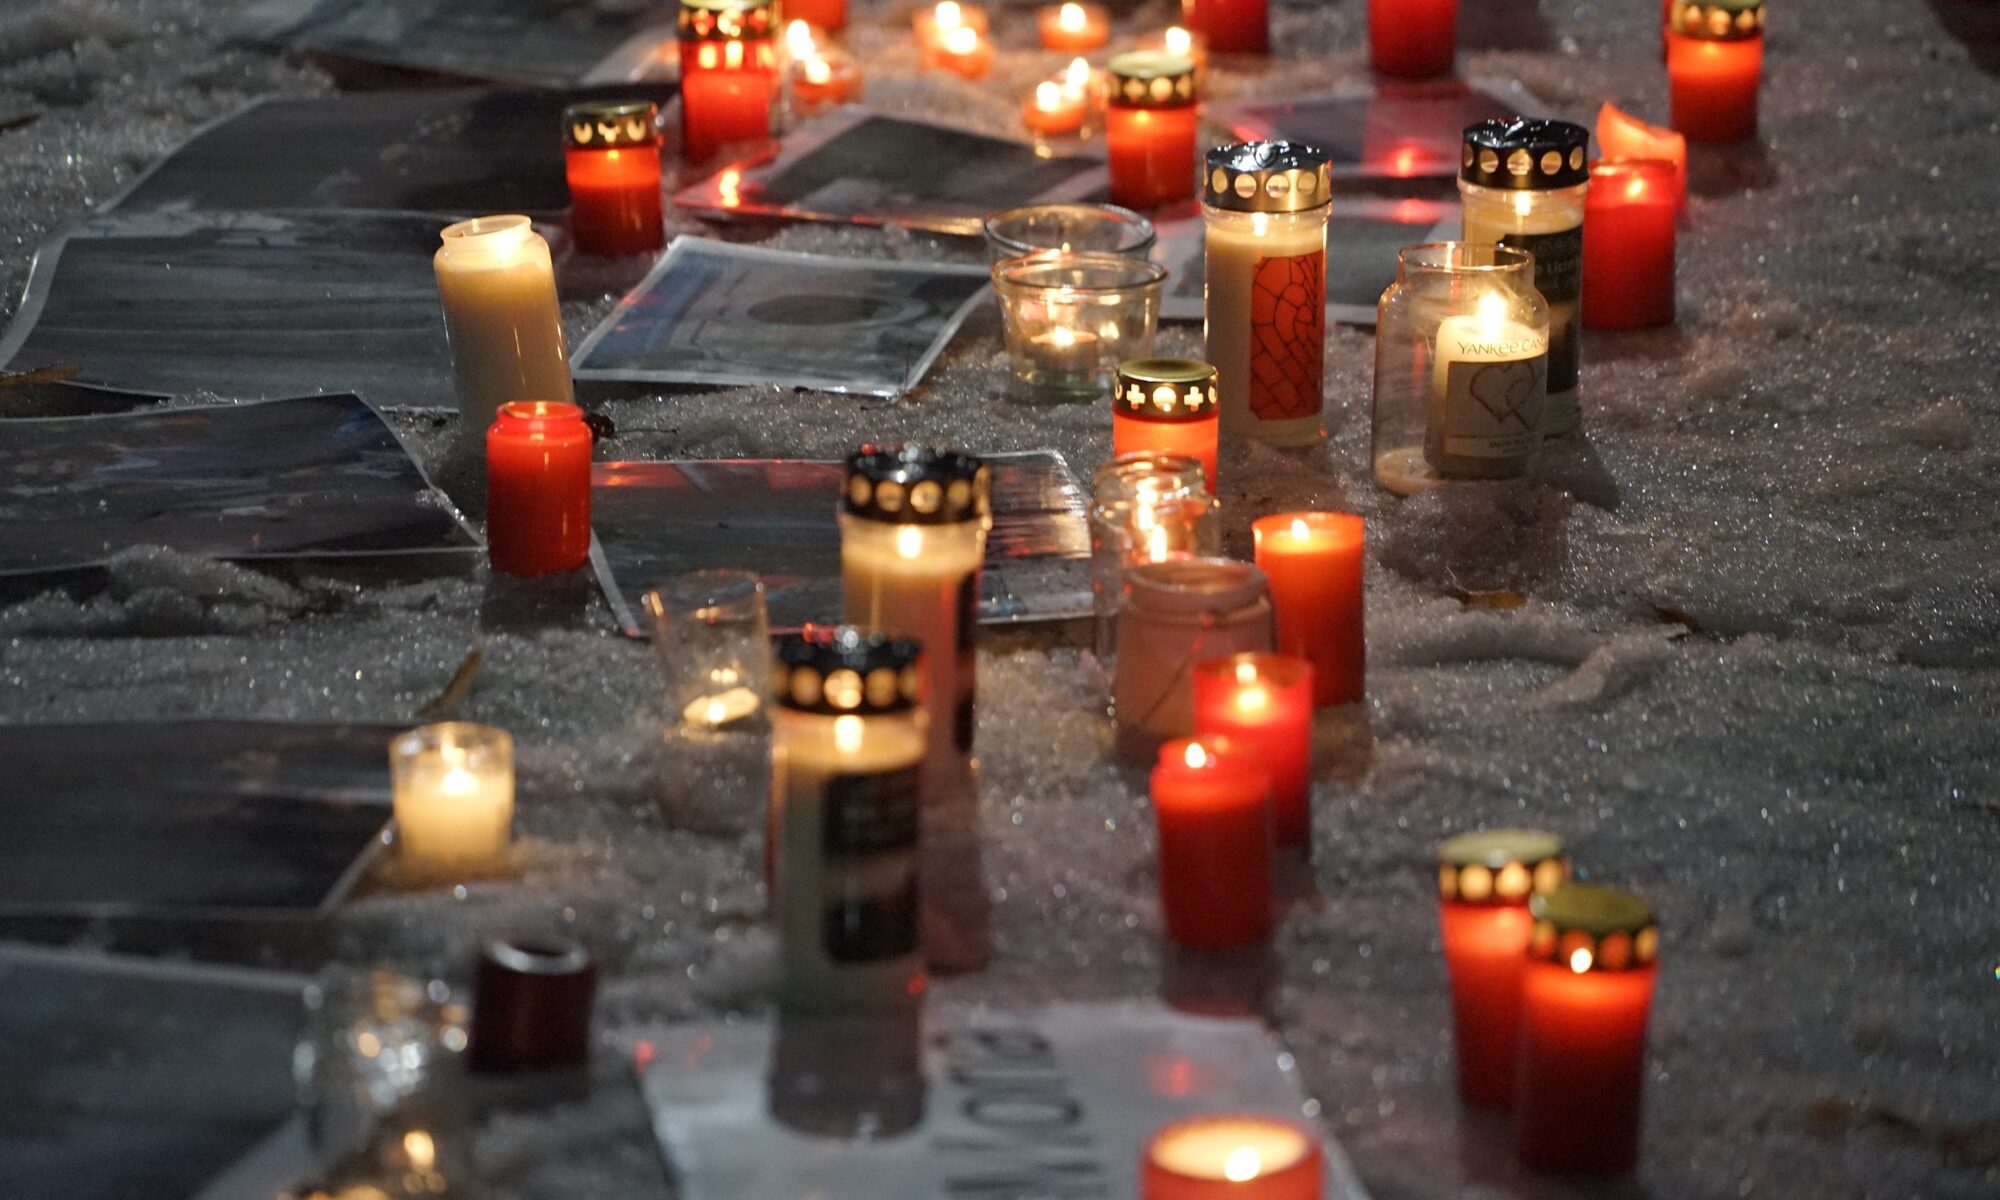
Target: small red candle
point(1230, 26)
point(537, 488)
point(1149, 130)
point(611, 152)
point(1485, 880)
point(1073, 28)
point(1166, 406)
point(1715, 55)
point(1213, 812)
point(934, 25)
point(1412, 39)
point(729, 74)
point(822, 77)
point(827, 15)
point(1313, 562)
point(1584, 1002)
point(1622, 135)
point(1232, 1156)
point(1628, 244)
point(1262, 704)
point(1054, 111)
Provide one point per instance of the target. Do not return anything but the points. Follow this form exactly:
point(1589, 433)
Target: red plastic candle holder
point(1232, 1156)
point(1412, 39)
point(611, 154)
point(1261, 704)
point(1313, 562)
point(1212, 805)
point(1715, 58)
point(729, 74)
point(1167, 406)
point(538, 489)
point(1629, 226)
point(1054, 110)
point(1149, 129)
point(1230, 26)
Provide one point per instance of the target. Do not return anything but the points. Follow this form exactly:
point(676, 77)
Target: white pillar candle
point(454, 796)
point(1488, 381)
point(498, 285)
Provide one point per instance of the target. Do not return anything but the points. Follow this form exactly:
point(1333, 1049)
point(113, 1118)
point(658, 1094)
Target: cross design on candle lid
point(1589, 927)
point(1165, 389)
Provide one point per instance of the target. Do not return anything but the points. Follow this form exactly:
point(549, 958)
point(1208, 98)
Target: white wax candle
point(498, 285)
point(453, 796)
point(1549, 225)
point(1238, 247)
point(1488, 381)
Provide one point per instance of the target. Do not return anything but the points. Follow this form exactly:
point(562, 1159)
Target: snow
point(1752, 674)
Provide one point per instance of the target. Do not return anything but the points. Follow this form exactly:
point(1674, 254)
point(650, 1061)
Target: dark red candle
point(611, 150)
point(729, 74)
point(1262, 704)
point(1230, 26)
point(1149, 129)
point(1485, 880)
point(1585, 997)
point(1715, 56)
point(1212, 806)
point(1628, 244)
point(538, 488)
point(1412, 39)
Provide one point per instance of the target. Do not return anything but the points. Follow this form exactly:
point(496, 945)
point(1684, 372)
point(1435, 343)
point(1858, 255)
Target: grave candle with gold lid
point(1715, 56)
point(1166, 406)
point(611, 155)
point(729, 74)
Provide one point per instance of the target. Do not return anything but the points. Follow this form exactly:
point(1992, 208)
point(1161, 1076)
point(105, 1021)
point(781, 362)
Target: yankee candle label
point(1493, 409)
point(1288, 336)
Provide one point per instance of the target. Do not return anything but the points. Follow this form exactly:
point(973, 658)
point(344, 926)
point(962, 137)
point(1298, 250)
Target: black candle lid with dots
point(611, 124)
point(912, 484)
point(841, 671)
point(1524, 154)
point(1501, 866)
point(1717, 20)
point(1268, 177)
point(1589, 927)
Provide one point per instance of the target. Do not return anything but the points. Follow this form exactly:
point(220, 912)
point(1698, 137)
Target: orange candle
point(1213, 813)
point(1485, 880)
point(932, 25)
point(1715, 54)
point(1585, 998)
point(1622, 135)
point(1073, 28)
point(1313, 561)
point(729, 74)
point(1150, 127)
point(1412, 39)
point(1232, 1156)
point(965, 51)
point(1178, 41)
point(1628, 244)
point(1230, 26)
point(1262, 704)
point(1166, 406)
point(1053, 110)
point(827, 15)
point(611, 155)
point(822, 77)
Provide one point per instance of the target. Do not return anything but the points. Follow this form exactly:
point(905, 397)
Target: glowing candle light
point(1622, 135)
point(965, 51)
point(1313, 562)
point(822, 77)
point(1054, 110)
point(1262, 703)
point(934, 25)
point(1412, 39)
point(611, 156)
point(1166, 406)
point(1173, 614)
point(1076, 28)
point(1179, 42)
point(1230, 26)
point(1628, 245)
point(729, 74)
point(1150, 126)
point(538, 489)
point(1715, 56)
point(1232, 1156)
point(829, 15)
point(1212, 806)
point(498, 286)
point(454, 797)
point(1469, 440)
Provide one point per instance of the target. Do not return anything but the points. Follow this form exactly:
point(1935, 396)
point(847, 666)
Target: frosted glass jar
point(1174, 615)
point(1145, 507)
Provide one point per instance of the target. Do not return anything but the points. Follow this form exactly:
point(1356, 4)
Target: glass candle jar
point(1173, 615)
point(818, 75)
point(1523, 183)
point(453, 789)
point(1461, 367)
point(538, 489)
point(729, 74)
point(1150, 121)
point(713, 640)
point(1715, 58)
point(1149, 506)
point(1265, 207)
point(1071, 318)
point(1166, 406)
point(847, 752)
point(611, 156)
point(498, 286)
point(1094, 228)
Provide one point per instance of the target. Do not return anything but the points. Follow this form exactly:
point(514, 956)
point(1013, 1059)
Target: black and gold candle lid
point(1524, 153)
point(913, 484)
point(841, 671)
point(727, 20)
point(1152, 79)
point(1501, 866)
point(1589, 927)
point(1717, 20)
point(1268, 177)
point(1165, 390)
point(611, 124)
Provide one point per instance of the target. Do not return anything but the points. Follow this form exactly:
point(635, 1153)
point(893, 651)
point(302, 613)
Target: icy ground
point(1755, 676)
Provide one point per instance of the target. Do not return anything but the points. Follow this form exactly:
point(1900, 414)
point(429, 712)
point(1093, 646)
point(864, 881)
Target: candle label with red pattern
point(1494, 409)
point(1559, 278)
point(1288, 336)
point(869, 836)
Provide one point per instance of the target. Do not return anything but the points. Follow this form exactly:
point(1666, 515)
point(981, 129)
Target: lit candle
point(827, 15)
point(729, 74)
point(728, 707)
point(1412, 39)
point(1179, 42)
point(1628, 245)
point(1166, 406)
point(1488, 386)
point(538, 489)
point(1212, 806)
point(1172, 614)
point(1313, 561)
point(1073, 28)
point(1150, 125)
point(933, 25)
point(822, 77)
point(1263, 704)
point(1715, 55)
point(1265, 207)
point(1485, 880)
point(611, 154)
point(965, 51)
point(1065, 357)
point(847, 750)
point(1585, 998)
point(1232, 1156)
point(1622, 135)
point(454, 797)
point(498, 286)
point(1230, 26)
point(1054, 110)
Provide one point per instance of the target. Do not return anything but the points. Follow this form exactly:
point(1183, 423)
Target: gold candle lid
point(611, 124)
point(1501, 866)
point(1717, 20)
point(1268, 177)
point(727, 20)
point(1589, 927)
point(841, 671)
point(911, 484)
point(1152, 79)
point(1165, 390)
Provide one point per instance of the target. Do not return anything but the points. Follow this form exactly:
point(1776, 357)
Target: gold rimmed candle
point(1150, 125)
point(453, 787)
point(729, 74)
point(498, 286)
point(1166, 406)
point(1232, 1156)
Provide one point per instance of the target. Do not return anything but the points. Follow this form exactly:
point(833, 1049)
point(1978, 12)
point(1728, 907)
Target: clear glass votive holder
point(1461, 367)
point(1089, 228)
point(1071, 318)
point(1145, 507)
point(713, 638)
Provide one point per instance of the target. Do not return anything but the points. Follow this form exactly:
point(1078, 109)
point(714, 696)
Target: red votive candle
point(537, 488)
point(1261, 704)
point(1628, 244)
point(1073, 28)
point(1412, 39)
point(1213, 812)
point(1313, 563)
point(1485, 880)
point(729, 74)
point(1622, 135)
point(611, 153)
point(1715, 55)
point(1230, 26)
point(827, 15)
point(1054, 110)
point(1232, 1156)
point(1149, 129)
point(1166, 406)
point(1585, 996)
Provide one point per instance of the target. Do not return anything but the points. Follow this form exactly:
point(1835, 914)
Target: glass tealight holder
point(1461, 367)
point(713, 638)
point(1145, 507)
point(1071, 318)
point(1091, 228)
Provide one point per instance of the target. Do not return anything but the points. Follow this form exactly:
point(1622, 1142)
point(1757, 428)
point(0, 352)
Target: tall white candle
point(498, 285)
point(454, 796)
point(1488, 382)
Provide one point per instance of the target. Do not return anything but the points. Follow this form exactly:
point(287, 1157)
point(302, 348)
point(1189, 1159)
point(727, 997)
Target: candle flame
point(726, 188)
point(1579, 960)
point(1242, 1165)
point(458, 782)
point(1156, 544)
point(816, 70)
point(1076, 77)
point(1178, 41)
point(847, 734)
point(1492, 313)
point(1195, 757)
point(1048, 96)
point(1524, 203)
point(421, 1149)
point(1299, 529)
point(799, 39)
point(1635, 188)
point(1062, 336)
point(1253, 700)
point(962, 40)
point(716, 710)
point(947, 15)
point(909, 541)
point(1246, 672)
point(1070, 17)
